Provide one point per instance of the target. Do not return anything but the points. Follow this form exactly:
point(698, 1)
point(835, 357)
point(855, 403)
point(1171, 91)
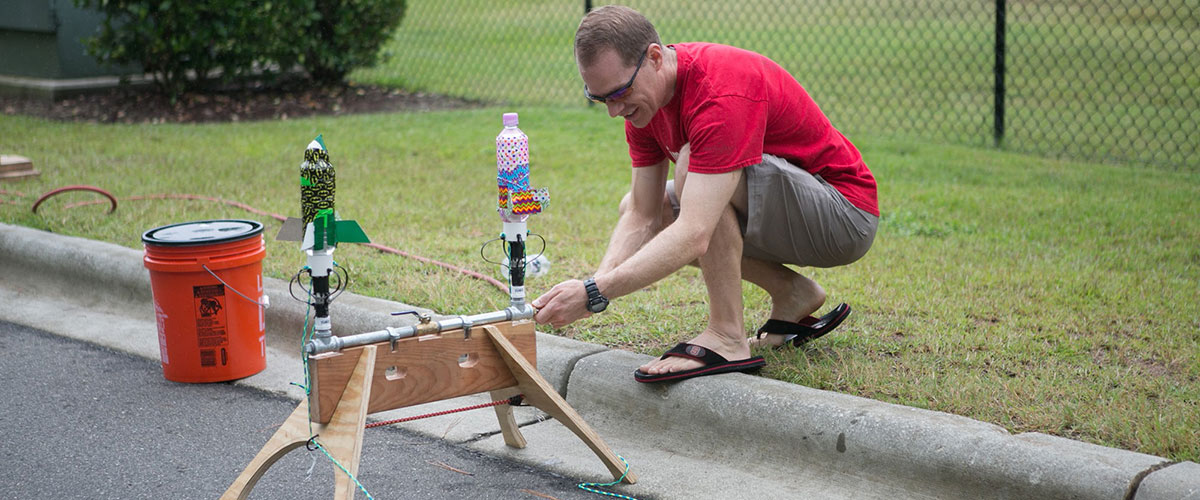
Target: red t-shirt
point(732, 106)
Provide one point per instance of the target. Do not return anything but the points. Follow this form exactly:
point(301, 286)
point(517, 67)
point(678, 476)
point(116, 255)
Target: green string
point(588, 487)
point(339, 465)
point(305, 336)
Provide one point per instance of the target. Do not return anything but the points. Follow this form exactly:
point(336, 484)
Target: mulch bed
point(147, 106)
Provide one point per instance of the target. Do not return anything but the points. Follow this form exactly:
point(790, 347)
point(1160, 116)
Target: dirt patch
point(1154, 367)
point(146, 106)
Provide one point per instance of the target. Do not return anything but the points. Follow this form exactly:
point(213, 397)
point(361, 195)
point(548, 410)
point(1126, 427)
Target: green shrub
point(347, 34)
point(185, 44)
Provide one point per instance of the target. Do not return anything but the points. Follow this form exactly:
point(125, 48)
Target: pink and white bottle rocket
point(517, 200)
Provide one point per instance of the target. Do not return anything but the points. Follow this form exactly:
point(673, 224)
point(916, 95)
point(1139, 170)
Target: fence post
point(587, 7)
point(998, 97)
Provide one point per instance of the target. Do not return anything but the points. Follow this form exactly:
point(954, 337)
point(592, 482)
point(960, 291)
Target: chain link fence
point(1101, 80)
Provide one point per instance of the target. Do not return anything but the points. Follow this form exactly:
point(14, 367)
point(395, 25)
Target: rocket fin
point(349, 231)
point(292, 230)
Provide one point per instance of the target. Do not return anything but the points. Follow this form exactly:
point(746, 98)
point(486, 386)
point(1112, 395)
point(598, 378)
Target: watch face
point(597, 305)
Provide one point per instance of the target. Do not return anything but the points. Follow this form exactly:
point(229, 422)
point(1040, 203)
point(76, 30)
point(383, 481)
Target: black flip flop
point(806, 329)
point(713, 364)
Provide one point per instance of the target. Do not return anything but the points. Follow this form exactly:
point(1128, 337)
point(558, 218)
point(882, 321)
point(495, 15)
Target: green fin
point(349, 231)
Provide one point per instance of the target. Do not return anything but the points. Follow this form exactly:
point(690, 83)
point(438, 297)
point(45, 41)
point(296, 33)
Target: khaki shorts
point(794, 217)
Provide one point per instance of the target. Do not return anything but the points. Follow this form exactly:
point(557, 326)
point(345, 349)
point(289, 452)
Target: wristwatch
point(596, 302)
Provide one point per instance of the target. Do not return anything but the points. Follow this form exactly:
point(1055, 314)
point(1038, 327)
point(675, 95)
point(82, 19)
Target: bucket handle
point(265, 300)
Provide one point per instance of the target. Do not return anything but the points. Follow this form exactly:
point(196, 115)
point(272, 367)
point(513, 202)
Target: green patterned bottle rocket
point(317, 183)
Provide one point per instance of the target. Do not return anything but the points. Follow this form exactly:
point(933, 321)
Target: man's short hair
point(613, 27)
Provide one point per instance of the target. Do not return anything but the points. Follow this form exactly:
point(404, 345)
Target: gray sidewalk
point(727, 436)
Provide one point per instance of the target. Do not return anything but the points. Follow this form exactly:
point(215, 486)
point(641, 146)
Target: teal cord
point(339, 465)
point(304, 338)
point(588, 487)
point(305, 335)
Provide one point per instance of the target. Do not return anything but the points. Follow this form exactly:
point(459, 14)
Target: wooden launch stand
point(346, 386)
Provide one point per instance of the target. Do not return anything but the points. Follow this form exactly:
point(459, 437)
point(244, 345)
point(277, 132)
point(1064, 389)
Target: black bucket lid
point(203, 232)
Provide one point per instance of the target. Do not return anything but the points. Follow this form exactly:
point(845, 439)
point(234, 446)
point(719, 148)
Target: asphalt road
point(82, 421)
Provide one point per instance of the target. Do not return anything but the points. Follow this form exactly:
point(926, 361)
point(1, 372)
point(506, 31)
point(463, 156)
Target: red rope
point(175, 196)
point(473, 274)
point(511, 401)
point(111, 199)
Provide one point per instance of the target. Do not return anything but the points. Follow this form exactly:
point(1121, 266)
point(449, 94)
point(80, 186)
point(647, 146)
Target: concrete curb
point(1177, 480)
point(937, 454)
point(730, 419)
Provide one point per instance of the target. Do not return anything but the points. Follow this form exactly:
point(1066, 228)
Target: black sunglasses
point(616, 94)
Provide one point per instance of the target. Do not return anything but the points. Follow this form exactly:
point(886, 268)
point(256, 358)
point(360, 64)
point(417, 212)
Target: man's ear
point(655, 55)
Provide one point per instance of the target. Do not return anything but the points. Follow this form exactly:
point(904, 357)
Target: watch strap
point(593, 294)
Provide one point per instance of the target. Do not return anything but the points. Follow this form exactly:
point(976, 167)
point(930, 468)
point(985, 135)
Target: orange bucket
point(206, 278)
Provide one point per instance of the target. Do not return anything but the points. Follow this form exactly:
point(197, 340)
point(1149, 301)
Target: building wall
point(43, 39)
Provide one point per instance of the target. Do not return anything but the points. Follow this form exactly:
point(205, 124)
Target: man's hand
point(562, 305)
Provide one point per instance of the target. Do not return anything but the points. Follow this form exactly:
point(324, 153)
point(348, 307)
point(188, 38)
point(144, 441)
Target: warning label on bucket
point(210, 317)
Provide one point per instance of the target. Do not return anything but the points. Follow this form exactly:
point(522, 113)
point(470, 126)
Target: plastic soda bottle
point(512, 167)
point(317, 181)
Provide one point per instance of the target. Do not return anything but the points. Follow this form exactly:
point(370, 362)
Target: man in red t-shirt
point(762, 179)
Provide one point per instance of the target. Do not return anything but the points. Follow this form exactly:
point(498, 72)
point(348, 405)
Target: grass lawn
point(1039, 295)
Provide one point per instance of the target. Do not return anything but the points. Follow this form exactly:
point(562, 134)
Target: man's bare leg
point(721, 266)
point(793, 296)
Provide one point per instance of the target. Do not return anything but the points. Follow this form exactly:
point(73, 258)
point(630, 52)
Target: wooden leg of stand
point(508, 424)
point(540, 394)
point(291, 435)
point(341, 437)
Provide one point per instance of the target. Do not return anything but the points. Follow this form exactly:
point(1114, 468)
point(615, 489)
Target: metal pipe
point(335, 343)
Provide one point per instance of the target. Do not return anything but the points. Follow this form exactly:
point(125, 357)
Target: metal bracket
point(466, 326)
point(393, 337)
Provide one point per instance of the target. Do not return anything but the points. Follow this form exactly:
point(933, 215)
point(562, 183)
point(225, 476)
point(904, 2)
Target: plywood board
point(423, 369)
